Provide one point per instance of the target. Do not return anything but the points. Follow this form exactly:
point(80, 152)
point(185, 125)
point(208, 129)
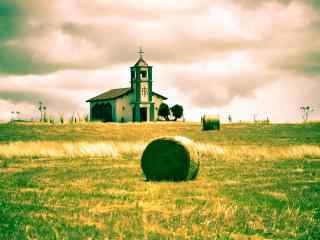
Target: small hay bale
point(170, 158)
point(210, 122)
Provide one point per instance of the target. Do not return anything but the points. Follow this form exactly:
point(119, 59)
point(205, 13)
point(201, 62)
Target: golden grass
point(277, 195)
point(259, 152)
point(118, 149)
point(97, 187)
point(68, 149)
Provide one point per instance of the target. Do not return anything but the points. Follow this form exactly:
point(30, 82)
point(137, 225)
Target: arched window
point(102, 111)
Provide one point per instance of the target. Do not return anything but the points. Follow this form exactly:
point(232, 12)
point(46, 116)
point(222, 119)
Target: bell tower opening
point(143, 74)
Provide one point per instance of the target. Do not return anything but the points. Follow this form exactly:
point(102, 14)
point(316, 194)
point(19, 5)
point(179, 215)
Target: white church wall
point(124, 108)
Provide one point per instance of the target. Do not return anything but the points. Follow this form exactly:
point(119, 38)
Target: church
point(137, 103)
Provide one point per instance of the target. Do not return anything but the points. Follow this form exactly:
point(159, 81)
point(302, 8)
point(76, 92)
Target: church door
point(133, 114)
point(143, 114)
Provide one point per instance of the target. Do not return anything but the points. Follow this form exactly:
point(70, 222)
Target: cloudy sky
point(240, 57)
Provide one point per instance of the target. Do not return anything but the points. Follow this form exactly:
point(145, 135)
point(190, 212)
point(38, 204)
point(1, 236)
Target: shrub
point(177, 111)
point(164, 111)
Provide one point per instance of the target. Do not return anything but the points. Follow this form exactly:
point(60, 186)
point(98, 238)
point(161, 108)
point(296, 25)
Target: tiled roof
point(111, 94)
point(159, 95)
point(115, 93)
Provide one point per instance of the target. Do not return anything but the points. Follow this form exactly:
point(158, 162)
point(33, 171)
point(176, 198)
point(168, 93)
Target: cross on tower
point(141, 52)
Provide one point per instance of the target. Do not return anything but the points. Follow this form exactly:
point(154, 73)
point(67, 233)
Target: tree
point(306, 110)
point(62, 118)
point(43, 112)
point(177, 111)
point(164, 111)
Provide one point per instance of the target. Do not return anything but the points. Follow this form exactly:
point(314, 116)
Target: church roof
point(116, 93)
point(159, 95)
point(111, 94)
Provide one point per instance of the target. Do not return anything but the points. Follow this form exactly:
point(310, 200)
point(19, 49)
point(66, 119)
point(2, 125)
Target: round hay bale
point(210, 122)
point(170, 158)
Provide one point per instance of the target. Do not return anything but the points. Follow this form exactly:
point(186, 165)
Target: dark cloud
point(115, 41)
point(214, 90)
point(310, 64)
point(306, 64)
point(19, 61)
point(257, 3)
point(10, 17)
point(174, 44)
point(313, 3)
point(54, 101)
point(21, 96)
point(15, 57)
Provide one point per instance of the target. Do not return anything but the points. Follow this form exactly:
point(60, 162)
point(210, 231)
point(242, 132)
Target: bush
point(164, 111)
point(177, 111)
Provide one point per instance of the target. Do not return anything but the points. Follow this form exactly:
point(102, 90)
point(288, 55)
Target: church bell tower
point(141, 85)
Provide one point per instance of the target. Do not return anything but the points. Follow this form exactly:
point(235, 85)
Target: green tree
point(177, 111)
point(164, 111)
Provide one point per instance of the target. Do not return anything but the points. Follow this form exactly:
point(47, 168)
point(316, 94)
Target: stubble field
point(84, 181)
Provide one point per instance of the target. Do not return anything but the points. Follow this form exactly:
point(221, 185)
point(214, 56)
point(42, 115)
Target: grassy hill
point(249, 134)
point(84, 182)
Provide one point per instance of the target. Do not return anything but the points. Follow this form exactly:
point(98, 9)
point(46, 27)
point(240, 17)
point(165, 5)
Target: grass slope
point(239, 134)
point(255, 182)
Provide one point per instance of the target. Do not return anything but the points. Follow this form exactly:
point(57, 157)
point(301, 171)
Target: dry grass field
point(84, 182)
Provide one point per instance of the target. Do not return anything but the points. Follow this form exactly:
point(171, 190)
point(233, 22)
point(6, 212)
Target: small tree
point(45, 117)
point(86, 118)
point(79, 118)
point(73, 118)
point(164, 111)
point(306, 110)
point(177, 111)
point(41, 111)
point(51, 119)
point(62, 118)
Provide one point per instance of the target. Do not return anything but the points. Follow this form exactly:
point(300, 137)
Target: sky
point(240, 57)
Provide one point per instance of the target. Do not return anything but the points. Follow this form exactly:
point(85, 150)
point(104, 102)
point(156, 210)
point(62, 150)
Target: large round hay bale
point(210, 122)
point(170, 158)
